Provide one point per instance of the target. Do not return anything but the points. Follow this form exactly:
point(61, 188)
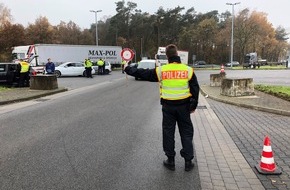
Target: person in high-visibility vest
point(24, 77)
point(100, 64)
point(88, 67)
point(122, 65)
point(179, 90)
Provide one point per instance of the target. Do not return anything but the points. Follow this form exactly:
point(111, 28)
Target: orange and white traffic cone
point(222, 68)
point(267, 165)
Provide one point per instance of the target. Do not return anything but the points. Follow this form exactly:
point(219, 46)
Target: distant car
point(235, 64)
point(199, 64)
point(71, 69)
point(108, 68)
point(146, 64)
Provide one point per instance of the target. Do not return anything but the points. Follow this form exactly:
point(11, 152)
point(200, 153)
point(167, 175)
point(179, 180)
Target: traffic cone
point(267, 165)
point(222, 68)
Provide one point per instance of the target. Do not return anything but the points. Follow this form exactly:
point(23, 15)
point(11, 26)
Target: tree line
point(207, 36)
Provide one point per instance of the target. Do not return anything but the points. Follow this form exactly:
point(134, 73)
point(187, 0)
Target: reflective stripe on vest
point(24, 67)
point(173, 80)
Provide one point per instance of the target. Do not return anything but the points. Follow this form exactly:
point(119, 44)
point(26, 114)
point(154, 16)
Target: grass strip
point(282, 92)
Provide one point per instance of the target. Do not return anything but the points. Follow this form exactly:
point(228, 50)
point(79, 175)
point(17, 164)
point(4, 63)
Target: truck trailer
point(162, 58)
point(37, 54)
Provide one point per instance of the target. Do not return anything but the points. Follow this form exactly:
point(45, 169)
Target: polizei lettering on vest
point(174, 74)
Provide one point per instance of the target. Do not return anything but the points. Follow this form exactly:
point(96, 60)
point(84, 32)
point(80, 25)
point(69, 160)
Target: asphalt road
point(105, 135)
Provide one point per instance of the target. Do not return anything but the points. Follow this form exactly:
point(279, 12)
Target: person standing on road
point(100, 64)
point(49, 67)
point(104, 68)
point(179, 90)
point(24, 77)
point(123, 65)
point(88, 67)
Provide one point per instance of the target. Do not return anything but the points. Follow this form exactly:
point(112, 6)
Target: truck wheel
point(57, 74)
point(107, 71)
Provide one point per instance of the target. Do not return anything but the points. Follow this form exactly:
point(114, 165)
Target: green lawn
point(2, 88)
point(279, 91)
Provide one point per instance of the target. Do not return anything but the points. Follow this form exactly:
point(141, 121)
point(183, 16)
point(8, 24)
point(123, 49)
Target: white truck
point(162, 58)
point(37, 54)
point(251, 61)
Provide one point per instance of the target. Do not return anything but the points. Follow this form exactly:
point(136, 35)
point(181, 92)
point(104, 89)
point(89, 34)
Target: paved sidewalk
point(221, 165)
point(22, 94)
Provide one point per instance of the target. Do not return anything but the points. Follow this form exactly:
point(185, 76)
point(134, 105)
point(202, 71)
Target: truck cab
point(251, 61)
point(161, 56)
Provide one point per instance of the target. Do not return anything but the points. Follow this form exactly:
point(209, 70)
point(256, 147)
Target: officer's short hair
point(171, 50)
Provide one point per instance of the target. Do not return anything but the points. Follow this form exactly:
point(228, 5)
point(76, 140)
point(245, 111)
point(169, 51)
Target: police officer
point(88, 67)
point(179, 90)
point(123, 65)
point(24, 74)
point(100, 64)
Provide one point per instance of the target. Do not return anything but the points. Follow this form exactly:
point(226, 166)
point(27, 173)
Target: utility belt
point(175, 102)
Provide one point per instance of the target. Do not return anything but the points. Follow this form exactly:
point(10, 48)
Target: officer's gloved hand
point(192, 105)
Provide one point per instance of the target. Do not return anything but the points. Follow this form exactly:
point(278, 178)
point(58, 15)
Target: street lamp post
point(96, 16)
point(159, 19)
point(232, 36)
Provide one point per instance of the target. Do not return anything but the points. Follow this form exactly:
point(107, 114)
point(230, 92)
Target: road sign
point(127, 54)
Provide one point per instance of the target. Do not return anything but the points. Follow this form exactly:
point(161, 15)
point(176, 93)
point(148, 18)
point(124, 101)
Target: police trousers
point(179, 114)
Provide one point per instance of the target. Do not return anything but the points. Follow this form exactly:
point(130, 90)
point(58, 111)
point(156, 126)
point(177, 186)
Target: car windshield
point(161, 57)
point(146, 65)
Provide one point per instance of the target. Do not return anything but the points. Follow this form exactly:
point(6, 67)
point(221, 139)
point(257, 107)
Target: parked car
point(146, 64)
point(9, 73)
point(71, 69)
point(235, 64)
point(199, 64)
point(264, 62)
point(108, 68)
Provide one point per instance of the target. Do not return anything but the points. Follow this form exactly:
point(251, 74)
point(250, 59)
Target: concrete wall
point(43, 82)
point(216, 79)
point(237, 87)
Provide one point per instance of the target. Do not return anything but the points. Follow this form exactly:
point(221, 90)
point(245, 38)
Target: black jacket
point(150, 75)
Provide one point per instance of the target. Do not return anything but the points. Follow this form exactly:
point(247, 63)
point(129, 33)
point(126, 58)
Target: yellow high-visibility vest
point(88, 64)
point(24, 67)
point(100, 63)
point(173, 80)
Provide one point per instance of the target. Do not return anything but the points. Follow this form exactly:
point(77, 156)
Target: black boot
point(188, 165)
point(169, 163)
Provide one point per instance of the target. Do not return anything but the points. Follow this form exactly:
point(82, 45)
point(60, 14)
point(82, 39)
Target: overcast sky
point(26, 11)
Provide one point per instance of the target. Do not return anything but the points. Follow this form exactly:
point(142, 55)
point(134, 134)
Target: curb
point(41, 93)
point(254, 107)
